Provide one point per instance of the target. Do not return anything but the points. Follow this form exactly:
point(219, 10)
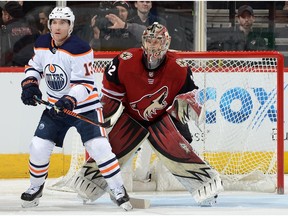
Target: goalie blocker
point(172, 149)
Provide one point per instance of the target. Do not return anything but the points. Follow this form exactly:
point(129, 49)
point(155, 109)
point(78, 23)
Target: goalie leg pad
point(181, 160)
point(207, 193)
point(89, 183)
point(125, 138)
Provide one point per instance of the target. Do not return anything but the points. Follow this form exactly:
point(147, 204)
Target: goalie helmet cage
point(242, 135)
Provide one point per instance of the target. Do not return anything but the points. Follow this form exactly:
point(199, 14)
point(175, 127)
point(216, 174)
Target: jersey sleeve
point(112, 86)
point(34, 67)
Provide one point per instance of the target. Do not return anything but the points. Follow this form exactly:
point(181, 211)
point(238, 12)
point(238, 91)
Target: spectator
point(285, 6)
point(95, 41)
point(17, 37)
point(107, 34)
point(144, 15)
point(142, 19)
point(43, 19)
point(245, 37)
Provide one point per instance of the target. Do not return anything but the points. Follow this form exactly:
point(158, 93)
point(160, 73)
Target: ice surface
point(162, 203)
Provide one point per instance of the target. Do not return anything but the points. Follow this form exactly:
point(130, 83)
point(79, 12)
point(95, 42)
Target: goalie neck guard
point(155, 44)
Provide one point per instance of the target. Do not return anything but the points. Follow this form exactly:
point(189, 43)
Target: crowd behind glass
point(122, 29)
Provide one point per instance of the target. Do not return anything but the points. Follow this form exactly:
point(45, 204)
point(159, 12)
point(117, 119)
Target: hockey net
point(242, 136)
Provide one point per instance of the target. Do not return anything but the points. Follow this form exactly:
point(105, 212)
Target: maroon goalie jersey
point(145, 93)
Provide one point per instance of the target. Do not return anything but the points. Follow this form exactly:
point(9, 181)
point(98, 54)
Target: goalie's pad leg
point(177, 155)
point(89, 183)
point(125, 138)
point(207, 194)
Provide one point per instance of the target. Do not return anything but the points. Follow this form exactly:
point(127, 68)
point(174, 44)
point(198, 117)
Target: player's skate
point(121, 198)
point(31, 196)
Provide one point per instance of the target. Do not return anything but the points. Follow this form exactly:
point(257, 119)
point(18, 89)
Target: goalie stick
point(76, 115)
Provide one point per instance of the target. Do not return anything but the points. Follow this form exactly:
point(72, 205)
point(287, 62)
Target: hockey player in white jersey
point(66, 64)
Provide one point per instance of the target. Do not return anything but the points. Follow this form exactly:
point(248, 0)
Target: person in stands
point(244, 37)
point(109, 33)
point(16, 36)
point(43, 19)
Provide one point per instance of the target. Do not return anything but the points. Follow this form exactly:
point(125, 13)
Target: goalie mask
point(64, 13)
point(155, 44)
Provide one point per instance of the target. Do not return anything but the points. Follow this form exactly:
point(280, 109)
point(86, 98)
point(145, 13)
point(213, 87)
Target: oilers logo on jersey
point(55, 76)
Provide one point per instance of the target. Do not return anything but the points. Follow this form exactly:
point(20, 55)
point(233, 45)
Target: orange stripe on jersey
point(110, 168)
point(52, 100)
point(81, 54)
point(41, 48)
point(27, 67)
point(93, 96)
point(89, 86)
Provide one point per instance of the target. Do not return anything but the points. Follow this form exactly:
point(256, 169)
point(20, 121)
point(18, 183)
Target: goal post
point(242, 136)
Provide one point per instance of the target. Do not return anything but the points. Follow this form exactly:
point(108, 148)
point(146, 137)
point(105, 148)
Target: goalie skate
point(31, 196)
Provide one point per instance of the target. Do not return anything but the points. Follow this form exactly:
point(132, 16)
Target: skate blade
point(30, 204)
point(126, 206)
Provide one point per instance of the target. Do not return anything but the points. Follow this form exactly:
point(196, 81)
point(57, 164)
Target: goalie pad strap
point(178, 156)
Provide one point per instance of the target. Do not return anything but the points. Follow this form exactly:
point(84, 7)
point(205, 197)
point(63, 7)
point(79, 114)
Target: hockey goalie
point(158, 97)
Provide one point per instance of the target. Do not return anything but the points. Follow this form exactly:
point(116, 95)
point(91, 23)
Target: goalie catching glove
point(185, 107)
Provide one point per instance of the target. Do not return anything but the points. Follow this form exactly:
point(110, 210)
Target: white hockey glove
point(185, 107)
point(89, 183)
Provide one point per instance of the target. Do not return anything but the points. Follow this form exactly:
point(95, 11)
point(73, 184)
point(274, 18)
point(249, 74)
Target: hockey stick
point(76, 115)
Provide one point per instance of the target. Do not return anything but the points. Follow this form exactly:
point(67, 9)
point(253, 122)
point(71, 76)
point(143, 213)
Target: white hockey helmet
point(62, 13)
point(155, 44)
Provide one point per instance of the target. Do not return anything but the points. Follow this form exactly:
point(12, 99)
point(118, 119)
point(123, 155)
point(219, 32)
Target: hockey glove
point(66, 102)
point(185, 107)
point(30, 88)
